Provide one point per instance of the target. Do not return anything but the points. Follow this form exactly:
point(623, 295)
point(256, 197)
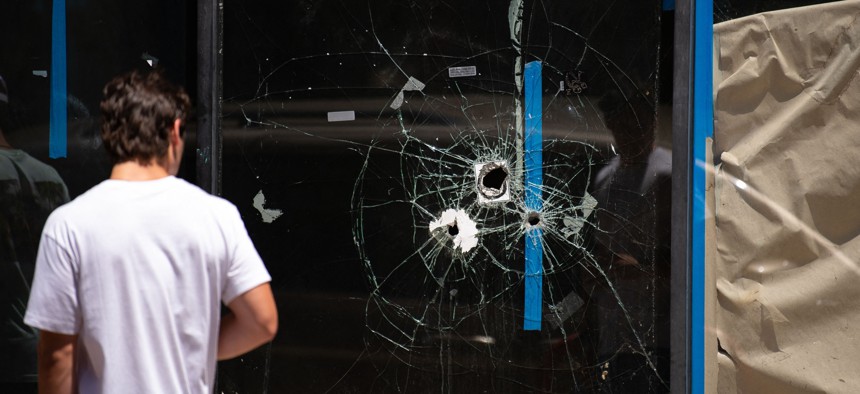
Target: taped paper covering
point(787, 202)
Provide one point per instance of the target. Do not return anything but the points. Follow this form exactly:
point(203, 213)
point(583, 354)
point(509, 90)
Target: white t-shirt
point(138, 271)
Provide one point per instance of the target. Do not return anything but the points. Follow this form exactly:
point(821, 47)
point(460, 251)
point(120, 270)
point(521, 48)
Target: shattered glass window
point(453, 197)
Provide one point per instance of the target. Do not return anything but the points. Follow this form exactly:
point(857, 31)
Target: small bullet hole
point(453, 230)
point(533, 218)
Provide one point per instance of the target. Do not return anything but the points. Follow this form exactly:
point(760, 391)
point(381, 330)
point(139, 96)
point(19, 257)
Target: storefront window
point(450, 197)
point(454, 197)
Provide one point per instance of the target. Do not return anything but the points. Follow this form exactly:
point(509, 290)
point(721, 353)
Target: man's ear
point(175, 137)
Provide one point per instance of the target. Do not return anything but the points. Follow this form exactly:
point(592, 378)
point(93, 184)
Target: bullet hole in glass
point(493, 180)
point(453, 230)
point(533, 219)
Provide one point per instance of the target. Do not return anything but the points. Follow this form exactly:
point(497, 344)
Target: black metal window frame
point(209, 89)
point(682, 170)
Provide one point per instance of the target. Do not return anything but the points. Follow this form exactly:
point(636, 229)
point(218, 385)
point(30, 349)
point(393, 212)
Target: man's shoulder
point(114, 196)
point(198, 196)
point(34, 169)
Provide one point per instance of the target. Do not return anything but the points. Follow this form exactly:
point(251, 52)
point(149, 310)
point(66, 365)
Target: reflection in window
point(29, 192)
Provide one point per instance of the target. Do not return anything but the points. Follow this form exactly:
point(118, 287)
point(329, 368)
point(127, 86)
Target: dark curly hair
point(138, 112)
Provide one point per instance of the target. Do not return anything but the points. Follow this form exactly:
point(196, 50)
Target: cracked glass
point(453, 197)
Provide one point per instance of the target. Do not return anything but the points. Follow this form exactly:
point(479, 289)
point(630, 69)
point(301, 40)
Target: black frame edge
point(209, 43)
point(682, 170)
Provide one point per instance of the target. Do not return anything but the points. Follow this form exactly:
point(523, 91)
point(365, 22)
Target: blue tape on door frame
point(703, 128)
point(533, 198)
point(57, 140)
point(668, 5)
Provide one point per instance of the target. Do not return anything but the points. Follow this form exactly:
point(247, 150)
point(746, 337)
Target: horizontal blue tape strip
point(533, 198)
point(58, 119)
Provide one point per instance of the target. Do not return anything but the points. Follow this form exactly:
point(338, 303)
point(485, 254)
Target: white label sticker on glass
point(457, 72)
point(341, 116)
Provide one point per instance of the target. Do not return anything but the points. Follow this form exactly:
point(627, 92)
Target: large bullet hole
point(533, 219)
point(454, 229)
point(493, 180)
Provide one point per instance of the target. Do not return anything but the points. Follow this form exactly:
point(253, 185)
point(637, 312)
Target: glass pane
point(423, 232)
point(43, 164)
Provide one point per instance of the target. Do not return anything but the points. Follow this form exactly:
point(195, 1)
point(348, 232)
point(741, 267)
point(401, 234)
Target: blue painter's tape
point(668, 5)
point(57, 140)
point(533, 197)
point(703, 128)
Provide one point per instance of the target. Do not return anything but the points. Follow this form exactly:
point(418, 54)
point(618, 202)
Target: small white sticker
point(458, 72)
point(41, 73)
point(268, 215)
point(341, 116)
point(412, 85)
point(149, 59)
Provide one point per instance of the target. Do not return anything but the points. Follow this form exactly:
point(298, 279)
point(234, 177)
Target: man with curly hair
point(130, 276)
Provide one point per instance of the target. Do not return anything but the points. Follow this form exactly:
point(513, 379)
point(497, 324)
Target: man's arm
point(253, 322)
point(56, 363)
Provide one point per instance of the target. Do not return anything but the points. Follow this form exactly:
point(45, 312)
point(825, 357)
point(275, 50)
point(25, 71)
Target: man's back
point(138, 271)
point(130, 275)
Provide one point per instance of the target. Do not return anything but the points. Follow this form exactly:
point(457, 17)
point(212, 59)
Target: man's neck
point(134, 171)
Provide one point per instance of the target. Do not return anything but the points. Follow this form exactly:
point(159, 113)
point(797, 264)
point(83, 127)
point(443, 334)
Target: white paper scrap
point(152, 61)
point(269, 215)
point(412, 85)
point(341, 116)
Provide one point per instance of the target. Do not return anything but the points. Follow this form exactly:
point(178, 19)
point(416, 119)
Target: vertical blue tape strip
point(533, 198)
point(58, 132)
point(703, 128)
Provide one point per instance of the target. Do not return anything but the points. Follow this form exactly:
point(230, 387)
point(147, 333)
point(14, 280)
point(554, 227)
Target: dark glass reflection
point(102, 39)
point(29, 192)
point(377, 152)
